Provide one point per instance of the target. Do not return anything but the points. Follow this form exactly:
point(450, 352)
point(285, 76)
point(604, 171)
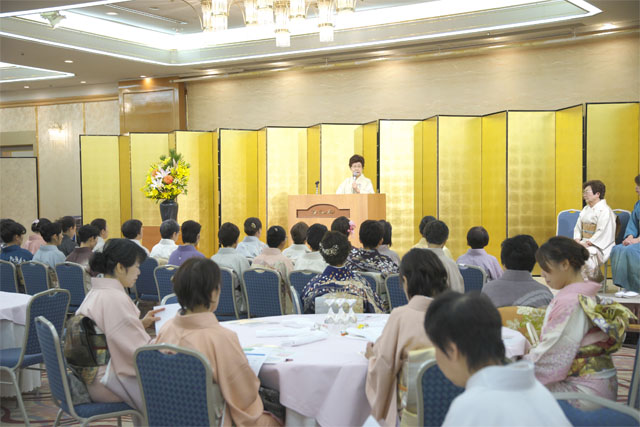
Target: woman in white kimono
point(111, 308)
point(357, 183)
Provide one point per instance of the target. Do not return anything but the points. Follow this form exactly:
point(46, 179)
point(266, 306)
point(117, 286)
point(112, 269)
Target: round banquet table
point(13, 315)
point(325, 380)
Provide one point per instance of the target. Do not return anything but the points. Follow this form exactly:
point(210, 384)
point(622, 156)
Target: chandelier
point(278, 15)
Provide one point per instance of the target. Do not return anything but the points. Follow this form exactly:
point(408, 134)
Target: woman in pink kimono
point(579, 331)
point(423, 277)
point(111, 308)
point(197, 286)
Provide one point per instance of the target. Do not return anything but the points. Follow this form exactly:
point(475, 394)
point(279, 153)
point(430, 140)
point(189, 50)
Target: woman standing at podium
point(357, 183)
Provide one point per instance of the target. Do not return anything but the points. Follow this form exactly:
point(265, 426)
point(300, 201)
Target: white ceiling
point(35, 45)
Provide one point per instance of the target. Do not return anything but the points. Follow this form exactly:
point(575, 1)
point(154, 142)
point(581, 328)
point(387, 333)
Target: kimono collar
point(589, 289)
point(420, 303)
point(515, 376)
point(106, 283)
point(476, 252)
point(271, 251)
point(227, 250)
point(196, 320)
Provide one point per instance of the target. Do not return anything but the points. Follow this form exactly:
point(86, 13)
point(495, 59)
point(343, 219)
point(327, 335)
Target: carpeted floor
point(42, 411)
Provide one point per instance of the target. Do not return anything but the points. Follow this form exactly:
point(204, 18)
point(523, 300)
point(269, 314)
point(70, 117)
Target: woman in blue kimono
point(625, 257)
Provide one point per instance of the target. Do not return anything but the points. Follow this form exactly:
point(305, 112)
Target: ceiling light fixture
point(112, 13)
point(207, 15)
point(143, 77)
point(219, 15)
point(283, 36)
point(54, 18)
point(265, 12)
point(26, 87)
point(325, 20)
point(297, 10)
point(68, 61)
point(82, 82)
point(250, 13)
point(345, 7)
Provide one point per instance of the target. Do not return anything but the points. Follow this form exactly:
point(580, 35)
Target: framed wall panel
point(569, 158)
point(19, 182)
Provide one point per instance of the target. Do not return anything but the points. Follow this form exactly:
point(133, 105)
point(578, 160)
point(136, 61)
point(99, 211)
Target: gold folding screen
point(313, 159)
point(337, 144)
point(613, 154)
point(569, 158)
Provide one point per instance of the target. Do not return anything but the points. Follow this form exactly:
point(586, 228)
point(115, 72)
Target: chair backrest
point(177, 387)
point(435, 394)
point(624, 216)
point(36, 277)
point(408, 384)
point(227, 304)
point(8, 277)
point(397, 296)
point(474, 277)
point(262, 289)
point(299, 279)
point(146, 283)
point(566, 222)
point(169, 299)
point(162, 275)
point(52, 305)
point(297, 301)
point(71, 276)
point(609, 414)
point(372, 279)
point(634, 387)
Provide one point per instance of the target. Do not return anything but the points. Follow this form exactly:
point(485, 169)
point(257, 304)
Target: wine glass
point(352, 318)
point(331, 315)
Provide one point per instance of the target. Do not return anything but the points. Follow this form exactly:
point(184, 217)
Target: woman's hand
point(150, 317)
point(369, 353)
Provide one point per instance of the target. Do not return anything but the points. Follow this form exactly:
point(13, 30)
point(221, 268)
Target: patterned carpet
point(42, 411)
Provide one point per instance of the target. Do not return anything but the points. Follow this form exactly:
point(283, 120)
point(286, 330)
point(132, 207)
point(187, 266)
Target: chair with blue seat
point(36, 277)
point(56, 367)
point(474, 277)
point(8, 277)
point(297, 301)
point(177, 387)
point(633, 400)
point(566, 222)
point(72, 276)
point(227, 308)
point(262, 291)
point(623, 220)
point(162, 275)
point(373, 279)
point(435, 394)
point(610, 413)
point(395, 291)
point(145, 286)
point(52, 305)
point(169, 299)
point(299, 279)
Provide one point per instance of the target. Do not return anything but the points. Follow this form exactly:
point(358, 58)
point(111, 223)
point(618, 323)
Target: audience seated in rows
point(101, 225)
point(436, 233)
point(197, 286)
point(338, 279)
point(35, 240)
point(88, 238)
point(251, 246)
point(11, 233)
point(478, 239)
point(68, 243)
point(422, 243)
point(190, 238)
point(625, 257)
point(117, 316)
point(228, 257)
point(466, 331)
point(169, 232)
point(384, 248)
point(299, 237)
point(368, 258)
point(132, 230)
point(423, 277)
point(49, 253)
point(516, 287)
point(578, 335)
point(313, 261)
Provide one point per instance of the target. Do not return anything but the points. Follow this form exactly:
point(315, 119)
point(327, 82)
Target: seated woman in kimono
point(111, 308)
point(625, 257)
point(423, 277)
point(579, 333)
point(197, 286)
point(338, 279)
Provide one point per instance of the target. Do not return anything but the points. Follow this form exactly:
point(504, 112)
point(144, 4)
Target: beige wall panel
point(19, 196)
point(17, 119)
point(102, 118)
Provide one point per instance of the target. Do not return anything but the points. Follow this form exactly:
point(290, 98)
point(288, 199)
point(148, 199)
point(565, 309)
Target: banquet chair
point(227, 309)
point(169, 299)
point(297, 301)
point(8, 277)
point(397, 296)
point(262, 291)
point(145, 286)
point(373, 279)
point(566, 222)
point(610, 414)
point(36, 277)
point(52, 305)
point(177, 387)
point(72, 276)
point(299, 279)
point(435, 394)
point(623, 219)
point(162, 276)
point(474, 277)
point(408, 385)
point(56, 368)
point(633, 400)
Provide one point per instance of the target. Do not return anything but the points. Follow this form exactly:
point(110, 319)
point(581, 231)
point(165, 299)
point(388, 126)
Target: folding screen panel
point(569, 158)
point(313, 159)
point(612, 150)
point(459, 177)
point(426, 172)
point(370, 152)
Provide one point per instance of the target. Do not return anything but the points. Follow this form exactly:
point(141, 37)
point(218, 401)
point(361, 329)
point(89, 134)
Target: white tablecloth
point(326, 379)
point(13, 314)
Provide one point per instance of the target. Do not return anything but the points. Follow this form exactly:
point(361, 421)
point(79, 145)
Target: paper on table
point(169, 312)
point(298, 323)
point(306, 339)
point(278, 332)
point(371, 333)
point(256, 356)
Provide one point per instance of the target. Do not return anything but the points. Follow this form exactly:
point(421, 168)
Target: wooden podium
point(324, 208)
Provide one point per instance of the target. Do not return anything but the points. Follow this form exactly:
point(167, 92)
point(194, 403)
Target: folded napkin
point(306, 339)
point(298, 323)
point(277, 332)
point(626, 294)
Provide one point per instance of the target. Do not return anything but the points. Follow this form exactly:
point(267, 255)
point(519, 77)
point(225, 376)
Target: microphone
point(317, 183)
point(355, 177)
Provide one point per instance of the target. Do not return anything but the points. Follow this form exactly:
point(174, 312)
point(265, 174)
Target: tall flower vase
point(169, 210)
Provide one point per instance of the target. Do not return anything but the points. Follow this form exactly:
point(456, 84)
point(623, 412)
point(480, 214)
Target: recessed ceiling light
point(26, 87)
point(143, 77)
point(68, 61)
point(112, 13)
point(83, 82)
point(154, 8)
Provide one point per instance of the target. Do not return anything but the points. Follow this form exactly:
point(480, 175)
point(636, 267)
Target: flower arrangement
point(168, 178)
